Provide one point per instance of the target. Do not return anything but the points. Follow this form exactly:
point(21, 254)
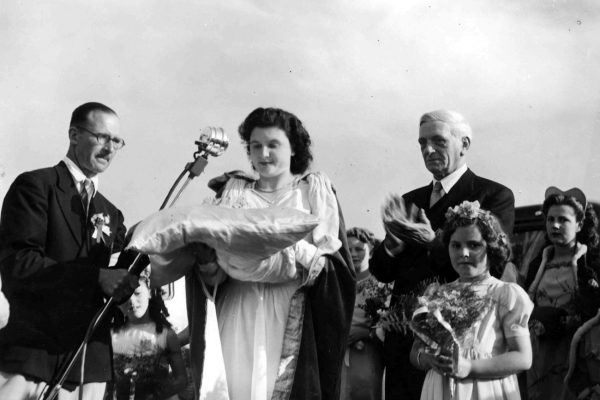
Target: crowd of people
point(425, 313)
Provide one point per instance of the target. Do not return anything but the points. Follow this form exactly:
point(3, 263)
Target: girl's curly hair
point(497, 244)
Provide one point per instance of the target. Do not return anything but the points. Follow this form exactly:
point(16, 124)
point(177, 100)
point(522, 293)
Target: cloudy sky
point(359, 74)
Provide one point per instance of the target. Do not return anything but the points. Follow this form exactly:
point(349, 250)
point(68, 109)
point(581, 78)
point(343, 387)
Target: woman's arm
point(178, 372)
point(516, 359)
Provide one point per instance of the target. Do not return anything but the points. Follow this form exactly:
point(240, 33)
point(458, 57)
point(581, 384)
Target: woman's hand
point(462, 365)
point(454, 365)
point(441, 363)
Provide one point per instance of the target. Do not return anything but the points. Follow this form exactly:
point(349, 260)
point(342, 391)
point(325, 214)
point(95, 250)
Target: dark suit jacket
point(49, 265)
point(416, 264)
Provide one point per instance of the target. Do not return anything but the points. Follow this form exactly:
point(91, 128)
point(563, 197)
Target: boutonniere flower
point(100, 222)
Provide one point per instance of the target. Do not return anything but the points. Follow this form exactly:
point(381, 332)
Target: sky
point(358, 74)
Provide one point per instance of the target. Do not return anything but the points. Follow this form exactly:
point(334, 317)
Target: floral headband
point(471, 211)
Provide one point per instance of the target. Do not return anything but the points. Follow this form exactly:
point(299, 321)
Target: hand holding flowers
point(449, 364)
point(443, 323)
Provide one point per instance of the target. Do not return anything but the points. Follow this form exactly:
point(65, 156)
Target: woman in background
point(563, 284)
point(362, 371)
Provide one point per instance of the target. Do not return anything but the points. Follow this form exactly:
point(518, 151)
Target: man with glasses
point(57, 234)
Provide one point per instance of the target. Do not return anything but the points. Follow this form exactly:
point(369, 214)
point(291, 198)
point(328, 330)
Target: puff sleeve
point(514, 310)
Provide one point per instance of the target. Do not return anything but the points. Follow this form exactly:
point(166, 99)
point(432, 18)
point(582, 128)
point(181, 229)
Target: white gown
point(253, 305)
point(507, 317)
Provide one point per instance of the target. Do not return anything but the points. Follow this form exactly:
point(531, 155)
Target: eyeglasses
point(104, 138)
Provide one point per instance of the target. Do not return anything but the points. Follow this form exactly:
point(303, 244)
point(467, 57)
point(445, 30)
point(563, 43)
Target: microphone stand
point(212, 142)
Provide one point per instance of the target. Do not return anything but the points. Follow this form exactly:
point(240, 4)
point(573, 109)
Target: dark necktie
point(436, 194)
point(87, 193)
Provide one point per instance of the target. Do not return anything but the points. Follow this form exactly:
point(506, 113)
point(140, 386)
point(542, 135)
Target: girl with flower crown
point(492, 344)
point(563, 284)
point(145, 348)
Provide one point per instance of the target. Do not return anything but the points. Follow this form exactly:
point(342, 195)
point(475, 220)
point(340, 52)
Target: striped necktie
point(436, 194)
point(87, 193)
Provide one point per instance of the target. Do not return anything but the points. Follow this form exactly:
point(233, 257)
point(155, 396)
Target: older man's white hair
point(459, 127)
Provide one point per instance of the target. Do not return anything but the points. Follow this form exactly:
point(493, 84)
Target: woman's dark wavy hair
point(157, 310)
point(298, 136)
point(364, 235)
point(588, 234)
point(497, 244)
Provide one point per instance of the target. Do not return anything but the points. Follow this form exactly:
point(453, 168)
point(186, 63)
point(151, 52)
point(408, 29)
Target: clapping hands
point(407, 223)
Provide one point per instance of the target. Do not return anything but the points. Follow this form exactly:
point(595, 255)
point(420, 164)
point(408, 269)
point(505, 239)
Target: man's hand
point(117, 283)
point(392, 244)
point(99, 255)
point(409, 224)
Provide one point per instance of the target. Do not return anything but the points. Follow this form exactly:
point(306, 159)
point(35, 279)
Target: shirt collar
point(449, 181)
point(79, 176)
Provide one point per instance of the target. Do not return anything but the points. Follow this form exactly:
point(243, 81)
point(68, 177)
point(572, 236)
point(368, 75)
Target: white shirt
point(79, 176)
point(449, 181)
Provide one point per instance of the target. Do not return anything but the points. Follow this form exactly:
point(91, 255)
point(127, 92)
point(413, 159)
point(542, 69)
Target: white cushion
point(249, 232)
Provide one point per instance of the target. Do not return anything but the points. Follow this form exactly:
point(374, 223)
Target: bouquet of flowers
point(377, 300)
point(446, 314)
point(445, 317)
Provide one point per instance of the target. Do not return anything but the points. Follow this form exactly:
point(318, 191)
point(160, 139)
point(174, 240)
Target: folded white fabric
point(245, 232)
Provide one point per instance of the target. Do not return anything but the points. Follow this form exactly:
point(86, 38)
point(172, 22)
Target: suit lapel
point(462, 190)
point(70, 203)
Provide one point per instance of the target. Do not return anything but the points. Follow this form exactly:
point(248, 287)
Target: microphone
point(213, 141)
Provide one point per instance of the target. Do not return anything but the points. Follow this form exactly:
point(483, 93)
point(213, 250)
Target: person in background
point(409, 253)
point(362, 371)
point(144, 348)
point(57, 234)
point(563, 284)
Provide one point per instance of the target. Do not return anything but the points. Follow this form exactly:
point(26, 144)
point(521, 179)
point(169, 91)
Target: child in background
point(362, 371)
point(144, 347)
